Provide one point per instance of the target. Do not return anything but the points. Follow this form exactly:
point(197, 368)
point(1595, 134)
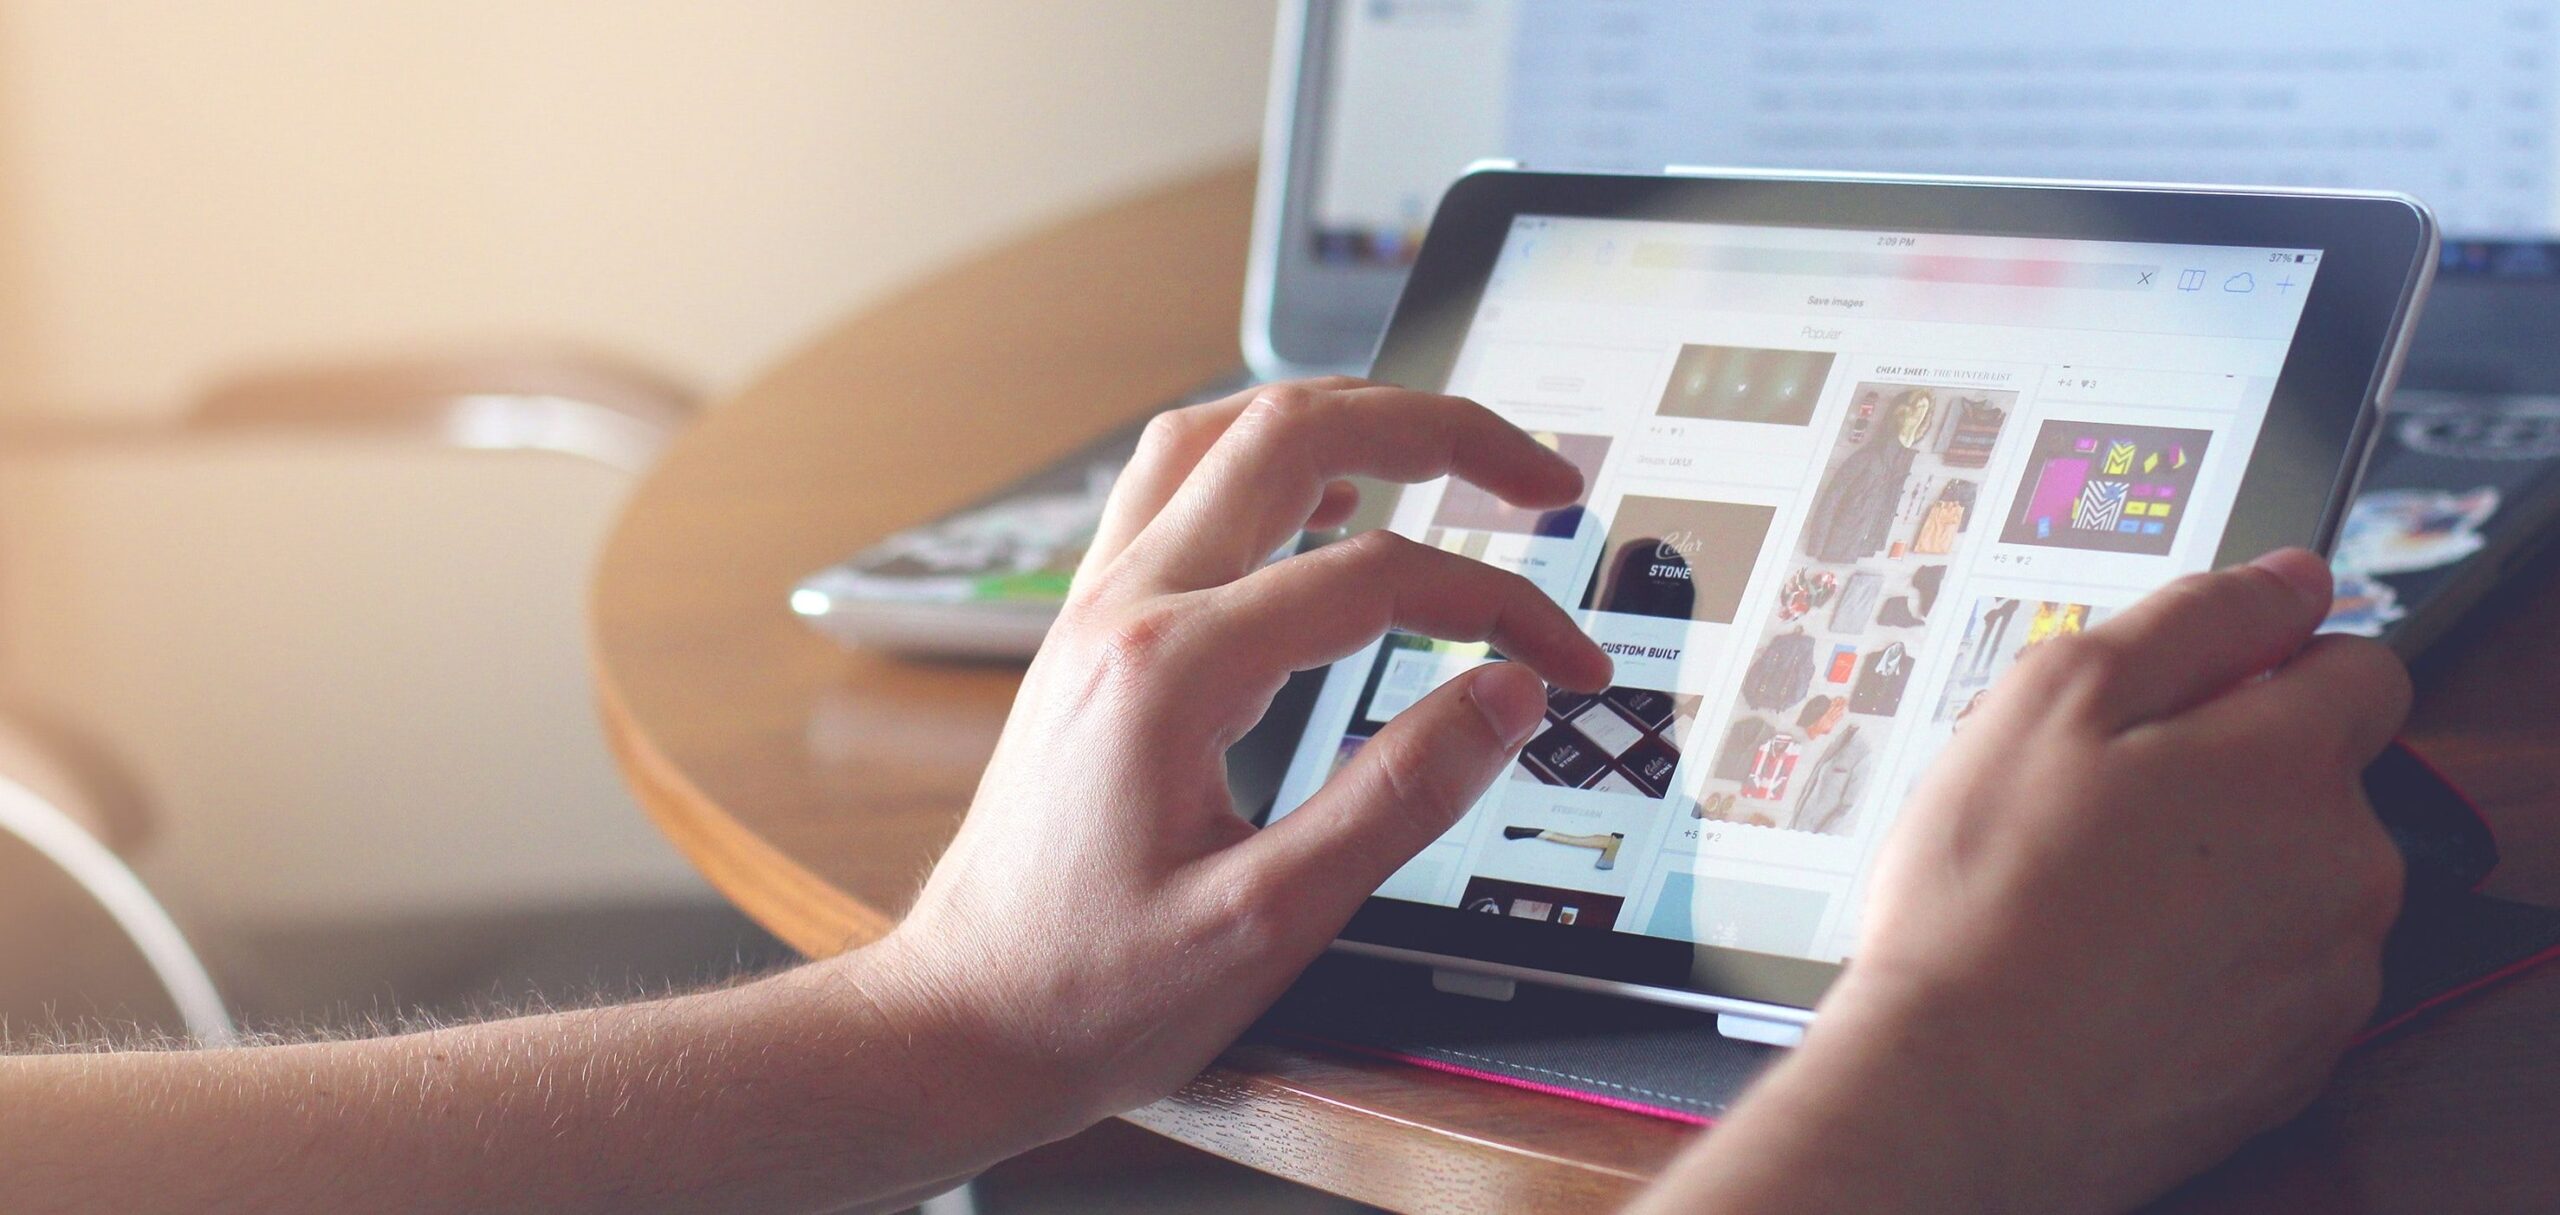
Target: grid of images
point(1546, 904)
point(1665, 564)
point(1831, 666)
point(1624, 740)
point(2107, 488)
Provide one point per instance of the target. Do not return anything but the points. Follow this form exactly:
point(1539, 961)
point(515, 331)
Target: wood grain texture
point(815, 787)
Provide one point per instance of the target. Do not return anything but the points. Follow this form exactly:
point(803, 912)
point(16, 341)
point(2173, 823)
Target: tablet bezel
point(2378, 254)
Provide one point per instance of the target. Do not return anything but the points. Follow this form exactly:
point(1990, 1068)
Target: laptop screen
point(2450, 100)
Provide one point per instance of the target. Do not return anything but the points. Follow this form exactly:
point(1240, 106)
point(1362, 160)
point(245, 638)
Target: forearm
point(1867, 1116)
point(835, 1085)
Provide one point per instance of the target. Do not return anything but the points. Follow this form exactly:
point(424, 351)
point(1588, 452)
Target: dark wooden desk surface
point(814, 787)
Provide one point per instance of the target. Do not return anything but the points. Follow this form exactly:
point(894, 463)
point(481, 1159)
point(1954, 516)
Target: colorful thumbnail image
point(1547, 904)
point(1997, 633)
point(1789, 666)
point(1470, 507)
point(1743, 384)
point(1678, 559)
point(1808, 772)
point(2107, 488)
point(1624, 740)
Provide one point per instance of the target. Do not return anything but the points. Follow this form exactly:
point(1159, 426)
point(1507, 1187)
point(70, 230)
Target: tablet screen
point(1838, 482)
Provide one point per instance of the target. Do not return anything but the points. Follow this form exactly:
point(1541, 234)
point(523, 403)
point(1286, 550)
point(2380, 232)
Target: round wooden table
point(814, 786)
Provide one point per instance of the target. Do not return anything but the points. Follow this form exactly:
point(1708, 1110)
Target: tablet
point(1853, 445)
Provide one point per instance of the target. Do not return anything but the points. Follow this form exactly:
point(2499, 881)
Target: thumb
point(1402, 790)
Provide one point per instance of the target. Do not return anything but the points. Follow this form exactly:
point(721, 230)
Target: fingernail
point(1512, 699)
point(2302, 570)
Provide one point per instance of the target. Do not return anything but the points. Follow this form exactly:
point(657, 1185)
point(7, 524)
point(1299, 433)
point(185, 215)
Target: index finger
point(2201, 636)
point(1169, 449)
point(1264, 476)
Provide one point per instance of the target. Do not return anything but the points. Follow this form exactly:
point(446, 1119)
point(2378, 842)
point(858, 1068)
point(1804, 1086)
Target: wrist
point(1880, 1109)
point(888, 1021)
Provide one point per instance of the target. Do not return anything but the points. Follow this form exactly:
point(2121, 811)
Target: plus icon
point(2284, 284)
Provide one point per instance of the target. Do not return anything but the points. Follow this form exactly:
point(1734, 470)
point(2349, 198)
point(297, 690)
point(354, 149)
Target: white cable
point(88, 862)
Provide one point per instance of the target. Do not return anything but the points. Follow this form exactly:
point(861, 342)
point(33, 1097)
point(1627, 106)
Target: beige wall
point(187, 186)
point(352, 678)
point(347, 674)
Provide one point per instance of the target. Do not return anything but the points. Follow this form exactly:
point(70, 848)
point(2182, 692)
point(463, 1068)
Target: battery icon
point(2297, 257)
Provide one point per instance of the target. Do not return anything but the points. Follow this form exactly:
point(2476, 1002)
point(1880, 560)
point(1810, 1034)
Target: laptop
point(1376, 105)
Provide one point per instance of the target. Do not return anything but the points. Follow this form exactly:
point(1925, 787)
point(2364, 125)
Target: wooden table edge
point(804, 910)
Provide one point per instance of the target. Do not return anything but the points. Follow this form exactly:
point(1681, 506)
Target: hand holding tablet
point(1825, 533)
point(1856, 452)
point(2127, 921)
point(1102, 842)
point(2142, 867)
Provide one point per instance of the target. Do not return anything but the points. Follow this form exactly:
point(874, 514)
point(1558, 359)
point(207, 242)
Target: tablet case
point(2449, 942)
point(2462, 488)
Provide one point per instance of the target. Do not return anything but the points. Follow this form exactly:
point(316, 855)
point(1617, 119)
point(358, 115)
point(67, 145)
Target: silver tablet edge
point(1753, 1010)
point(2413, 300)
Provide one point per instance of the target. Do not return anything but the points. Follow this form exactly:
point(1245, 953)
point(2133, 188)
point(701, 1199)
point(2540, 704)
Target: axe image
point(1605, 845)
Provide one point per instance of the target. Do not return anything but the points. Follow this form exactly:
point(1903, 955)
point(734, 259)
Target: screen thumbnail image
point(1745, 384)
point(1678, 559)
point(1601, 847)
point(1997, 633)
point(2107, 488)
point(1903, 475)
point(1407, 668)
point(1546, 904)
point(1732, 914)
point(1809, 771)
point(1624, 740)
point(1473, 508)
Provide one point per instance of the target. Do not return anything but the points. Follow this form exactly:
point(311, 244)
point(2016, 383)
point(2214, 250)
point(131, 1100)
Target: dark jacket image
point(1741, 741)
point(1881, 677)
point(1853, 514)
point(1782, 674)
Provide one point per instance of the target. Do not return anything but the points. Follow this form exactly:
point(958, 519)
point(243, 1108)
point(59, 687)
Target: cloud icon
point(2240, 282)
